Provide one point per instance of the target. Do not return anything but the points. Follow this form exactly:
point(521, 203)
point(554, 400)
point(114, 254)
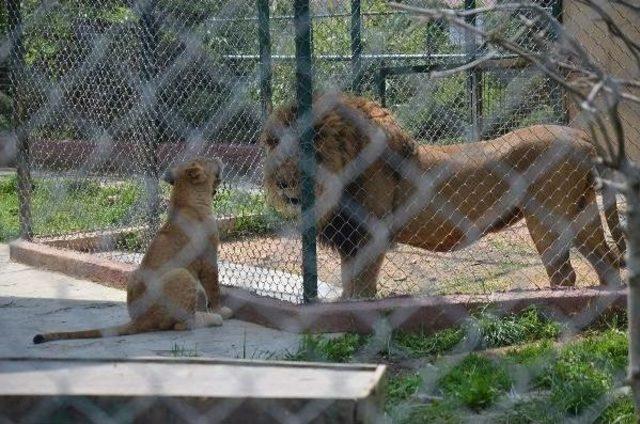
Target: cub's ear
point(168, 177)
point(196, 174)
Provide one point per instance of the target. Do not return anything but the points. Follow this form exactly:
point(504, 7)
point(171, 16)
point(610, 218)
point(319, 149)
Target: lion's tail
point(613, 219)
point(118, 330)
point(609, 203)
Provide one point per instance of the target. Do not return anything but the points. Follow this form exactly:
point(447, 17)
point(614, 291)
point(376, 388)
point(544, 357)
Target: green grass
point(621, 411)
point(402, 387)
point(512, 329)
point(585, 370)
point(64, 206)
point(476, 382)
point(182, 351)
point(328, 349)
point(61, 206)
point(421, 344)
point(565, 379)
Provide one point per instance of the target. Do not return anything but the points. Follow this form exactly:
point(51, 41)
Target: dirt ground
point(498, 262)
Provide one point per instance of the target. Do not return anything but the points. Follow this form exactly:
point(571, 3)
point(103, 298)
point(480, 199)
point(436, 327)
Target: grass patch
point(476, 382)
point(538, 411)
point(421, 344)
point(402, 386)
point(621, 411)
point(584, 371)
point(527, 326)
point(444, 412)
point(63, 206)
point(563, 381)
point(181, 351)
point(493, 331)
point(328, 349)
point(531, 354)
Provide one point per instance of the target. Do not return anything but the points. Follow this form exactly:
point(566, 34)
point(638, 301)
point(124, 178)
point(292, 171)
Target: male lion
point(179, 272)
point(375, 185)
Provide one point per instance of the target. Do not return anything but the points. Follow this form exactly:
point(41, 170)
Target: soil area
point(498, 262)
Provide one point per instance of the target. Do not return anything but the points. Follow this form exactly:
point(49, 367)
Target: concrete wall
point(609, 53)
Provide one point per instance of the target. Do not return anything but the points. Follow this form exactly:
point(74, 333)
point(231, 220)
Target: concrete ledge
point(104, 240)
point(76, 264)
point(94, 241)
point(415, 313)
point(406, 313)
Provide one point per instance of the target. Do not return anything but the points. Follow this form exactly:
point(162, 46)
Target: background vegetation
point(207, 88)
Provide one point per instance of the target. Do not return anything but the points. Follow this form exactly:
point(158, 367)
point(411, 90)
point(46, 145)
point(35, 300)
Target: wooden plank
point(343, 391)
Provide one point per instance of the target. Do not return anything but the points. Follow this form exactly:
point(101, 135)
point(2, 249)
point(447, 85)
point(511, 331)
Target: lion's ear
point(196, 174)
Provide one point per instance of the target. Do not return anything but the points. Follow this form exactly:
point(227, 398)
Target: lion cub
point(179, 272)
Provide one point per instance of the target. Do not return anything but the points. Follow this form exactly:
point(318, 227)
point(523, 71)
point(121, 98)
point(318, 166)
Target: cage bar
point(17, 79)
point(356, 47)
point(474, 76)
point(151, 169)
point(264, 41)
point(307, 163)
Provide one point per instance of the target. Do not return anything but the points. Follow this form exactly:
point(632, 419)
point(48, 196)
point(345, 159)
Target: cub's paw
point(225, 312)
point(208, 319)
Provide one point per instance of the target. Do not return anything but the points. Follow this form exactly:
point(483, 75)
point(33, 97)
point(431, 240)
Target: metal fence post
point(356, 47)
point(381, 83)
point(16, 78)
point(560, 104)
point(474, 78)
point(264, 41)
point(307, 165)
point(149, 48)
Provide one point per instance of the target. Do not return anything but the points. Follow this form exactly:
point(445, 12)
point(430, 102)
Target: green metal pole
point(264, 41)
point(381, 83)
point(356, 47)
point(17, 76)
point(474, 77)
point(307, 165)
point(557, 10)
point(557, 97)
point(149, 45)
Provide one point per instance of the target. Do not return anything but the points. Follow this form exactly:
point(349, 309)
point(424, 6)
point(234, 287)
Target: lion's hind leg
point(591, 243)
point(180, 299)
point(553, 251)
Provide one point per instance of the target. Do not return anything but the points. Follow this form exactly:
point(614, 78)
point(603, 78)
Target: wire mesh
point(116, 93)
point(111, 94)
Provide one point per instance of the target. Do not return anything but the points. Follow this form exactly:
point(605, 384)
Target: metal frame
point(305, 132)
point(149, 71)
point(264, 42)
point(17, 79)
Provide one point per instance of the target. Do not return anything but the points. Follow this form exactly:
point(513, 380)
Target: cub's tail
point(118, 330)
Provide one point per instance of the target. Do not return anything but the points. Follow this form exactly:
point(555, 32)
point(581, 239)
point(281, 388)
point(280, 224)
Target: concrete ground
point(34, 301)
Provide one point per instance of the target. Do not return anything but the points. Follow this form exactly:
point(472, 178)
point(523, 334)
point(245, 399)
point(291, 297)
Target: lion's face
point(282, 175)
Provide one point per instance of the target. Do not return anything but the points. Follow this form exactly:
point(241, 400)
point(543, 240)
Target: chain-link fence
point(111, 94)
point(111, 97)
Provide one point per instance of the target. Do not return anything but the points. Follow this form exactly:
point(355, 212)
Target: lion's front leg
point(209, 279)
point(359, 275)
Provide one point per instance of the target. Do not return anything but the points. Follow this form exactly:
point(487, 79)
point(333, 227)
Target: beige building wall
point(609, 53)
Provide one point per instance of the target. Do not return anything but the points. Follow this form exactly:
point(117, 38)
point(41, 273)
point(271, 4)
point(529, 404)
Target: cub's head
point(197, 175)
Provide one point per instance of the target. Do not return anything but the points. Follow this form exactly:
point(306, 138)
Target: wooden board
point(332, 392)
